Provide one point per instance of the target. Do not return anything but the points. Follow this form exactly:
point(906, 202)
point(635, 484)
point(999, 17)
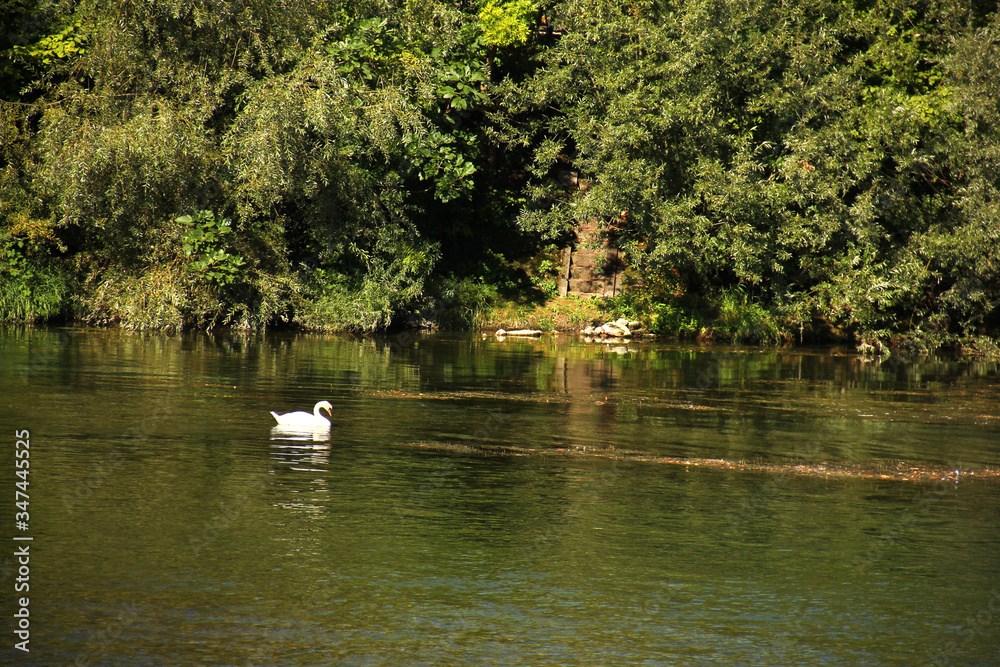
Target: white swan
point(303, 421)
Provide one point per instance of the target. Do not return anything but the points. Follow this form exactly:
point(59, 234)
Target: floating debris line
point(898, 471)
point(596, 399)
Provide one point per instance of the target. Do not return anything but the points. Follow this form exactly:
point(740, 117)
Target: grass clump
point(31, 289)
point(726, 315)
point(741, 319)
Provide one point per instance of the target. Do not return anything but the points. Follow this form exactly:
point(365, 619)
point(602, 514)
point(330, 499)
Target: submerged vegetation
point(810, 170)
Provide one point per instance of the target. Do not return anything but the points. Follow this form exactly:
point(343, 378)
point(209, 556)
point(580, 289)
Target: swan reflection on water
point(293, 434)
point(300, 450)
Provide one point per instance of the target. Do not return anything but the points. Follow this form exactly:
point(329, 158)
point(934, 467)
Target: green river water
point(495, 502)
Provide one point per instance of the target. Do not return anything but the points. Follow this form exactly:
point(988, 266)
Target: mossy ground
point(569, 313)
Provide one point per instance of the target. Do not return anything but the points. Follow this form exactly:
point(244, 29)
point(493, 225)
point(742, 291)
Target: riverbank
point(729, 319)
point(725, 320)
point(566, 314)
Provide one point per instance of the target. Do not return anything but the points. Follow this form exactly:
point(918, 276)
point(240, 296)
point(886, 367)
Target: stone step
point(585, 258)
point(585, 286)
point(590, 267)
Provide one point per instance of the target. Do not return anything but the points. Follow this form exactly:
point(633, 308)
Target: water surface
point(515, 502)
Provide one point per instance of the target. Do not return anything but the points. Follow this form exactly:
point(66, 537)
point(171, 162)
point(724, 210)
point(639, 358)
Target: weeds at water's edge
point(732, 318)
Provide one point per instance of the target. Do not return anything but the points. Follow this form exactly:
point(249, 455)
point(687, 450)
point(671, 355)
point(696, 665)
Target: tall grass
point(744, 320)
point(725, 315)
point(30, 290)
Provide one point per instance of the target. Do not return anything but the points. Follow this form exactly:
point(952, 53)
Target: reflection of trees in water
point(667, 399)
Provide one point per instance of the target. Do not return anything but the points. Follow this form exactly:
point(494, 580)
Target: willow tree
point(123, 136)
point(212, 161)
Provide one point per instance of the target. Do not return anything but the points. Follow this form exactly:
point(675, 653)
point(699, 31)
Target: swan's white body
point(303, 421)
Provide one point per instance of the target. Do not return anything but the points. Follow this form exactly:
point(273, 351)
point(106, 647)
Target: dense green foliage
point(771, 169)
point(837, 161)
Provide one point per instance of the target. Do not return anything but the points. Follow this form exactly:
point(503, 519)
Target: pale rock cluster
point(620, 328)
